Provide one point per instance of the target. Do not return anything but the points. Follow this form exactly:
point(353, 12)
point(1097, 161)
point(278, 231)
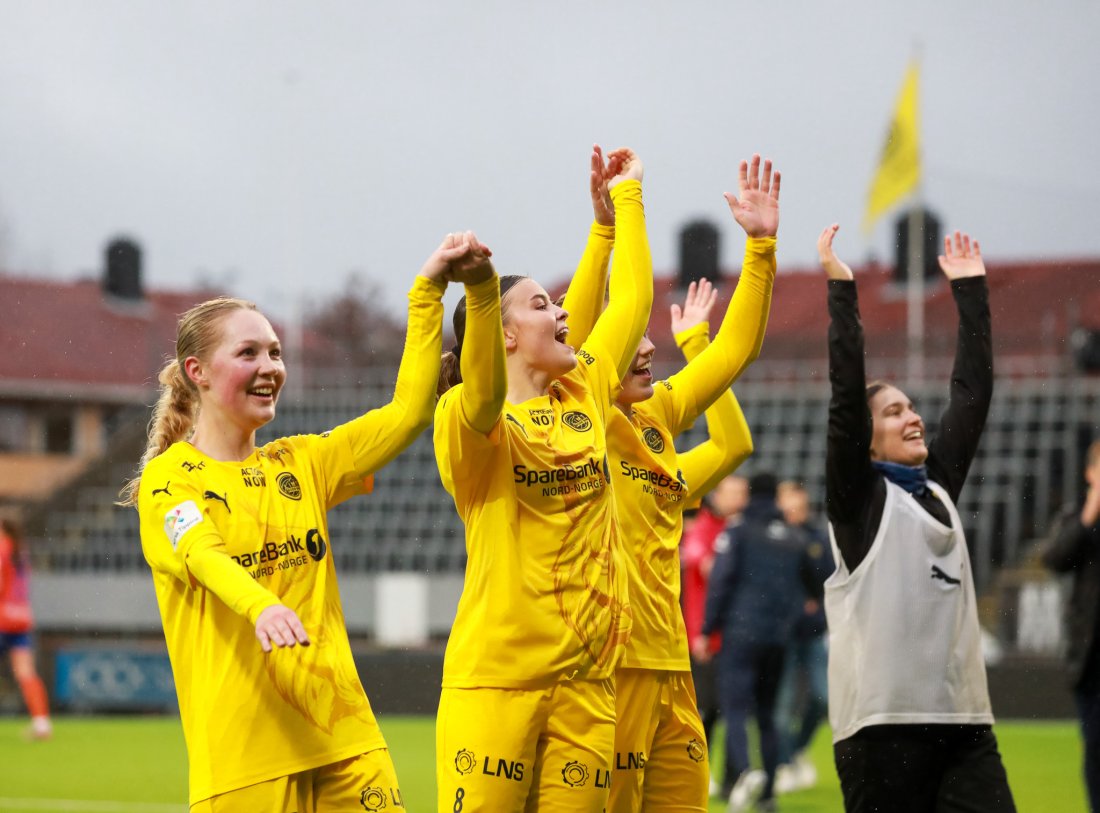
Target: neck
point(626, 409)
point(525, 383)
point(226, 443)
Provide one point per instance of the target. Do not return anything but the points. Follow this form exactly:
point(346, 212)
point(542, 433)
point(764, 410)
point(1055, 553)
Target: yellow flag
point(899, 168)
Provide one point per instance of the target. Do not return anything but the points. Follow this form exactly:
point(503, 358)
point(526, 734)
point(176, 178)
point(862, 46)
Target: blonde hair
point(177, 406)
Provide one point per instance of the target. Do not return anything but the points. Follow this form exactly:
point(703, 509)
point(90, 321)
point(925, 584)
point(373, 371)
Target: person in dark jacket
point(1076, 549)
point(761, 575)
point(803, 697)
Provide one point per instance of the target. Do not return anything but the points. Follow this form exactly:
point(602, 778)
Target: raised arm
point(848, 471)
point(484, 376)
point(584, 300)
point(741, 334)
point(729, 441)
point(620, 328)
point(952, 450)
point(381, 434)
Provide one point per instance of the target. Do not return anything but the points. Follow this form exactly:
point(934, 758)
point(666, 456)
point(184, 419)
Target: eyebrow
point(542, 297)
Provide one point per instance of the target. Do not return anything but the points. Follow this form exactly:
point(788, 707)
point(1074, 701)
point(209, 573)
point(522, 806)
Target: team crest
point(696, 750)
point(653, 439)
point(577, 420)
point(289, 486)
point(373, 799)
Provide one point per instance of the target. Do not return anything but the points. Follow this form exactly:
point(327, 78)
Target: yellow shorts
point(660, 748)
point(367, 782)
point(526, 749)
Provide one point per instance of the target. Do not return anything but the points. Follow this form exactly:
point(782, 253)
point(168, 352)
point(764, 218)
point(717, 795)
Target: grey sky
point(277, 146)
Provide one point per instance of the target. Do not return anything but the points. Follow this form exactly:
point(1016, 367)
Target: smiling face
point(638, 381)
point(535, 331)
point(239, 383)
point(897, 435)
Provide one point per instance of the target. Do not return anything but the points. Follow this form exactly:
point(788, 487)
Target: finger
point(977, 250)
point(754, 171)
point(947, 247)
point(712, 298)
point(265, 641)
point(732, 200)
point(958, 242)
point(742, 178)
point(276, 634)
point(775, 186)
point(766, 180)
point(966, 245)
point(677, 314)
point(298, 630)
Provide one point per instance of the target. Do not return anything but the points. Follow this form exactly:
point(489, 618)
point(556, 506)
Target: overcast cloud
point(274, 147)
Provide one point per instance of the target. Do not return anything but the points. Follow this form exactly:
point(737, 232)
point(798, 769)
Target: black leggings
point(923, 769)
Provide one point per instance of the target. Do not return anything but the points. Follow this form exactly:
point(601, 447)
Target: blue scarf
point(913, 479)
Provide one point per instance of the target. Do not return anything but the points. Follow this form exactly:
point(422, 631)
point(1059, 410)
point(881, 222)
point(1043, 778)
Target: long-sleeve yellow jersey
point(545, 595)
point(226, 540)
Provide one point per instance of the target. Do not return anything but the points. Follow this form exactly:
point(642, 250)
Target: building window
point(14, 429)
point(59, 433)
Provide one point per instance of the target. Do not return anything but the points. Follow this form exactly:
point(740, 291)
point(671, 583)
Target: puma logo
point(517, 423)
point(164, 490)
point(213, 495)
point(939, 574)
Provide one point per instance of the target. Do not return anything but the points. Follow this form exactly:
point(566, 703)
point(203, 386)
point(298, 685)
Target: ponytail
point(450, 371)
point(173, 419)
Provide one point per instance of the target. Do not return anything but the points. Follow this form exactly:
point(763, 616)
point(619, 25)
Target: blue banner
point(113, 679)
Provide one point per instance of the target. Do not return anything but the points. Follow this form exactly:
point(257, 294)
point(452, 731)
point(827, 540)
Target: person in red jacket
point(16, 623)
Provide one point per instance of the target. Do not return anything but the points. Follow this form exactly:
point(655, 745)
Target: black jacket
point(1076, 549)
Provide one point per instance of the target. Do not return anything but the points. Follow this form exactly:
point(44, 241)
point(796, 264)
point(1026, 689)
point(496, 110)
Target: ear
point(195, 371)
point(510, 341)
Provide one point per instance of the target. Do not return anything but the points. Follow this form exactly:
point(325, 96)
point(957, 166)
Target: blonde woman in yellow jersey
point(660, 745)
point(273, 713)
point(527, 711)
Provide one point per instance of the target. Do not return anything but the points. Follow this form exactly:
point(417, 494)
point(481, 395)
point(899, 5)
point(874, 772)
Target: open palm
point(756, 206)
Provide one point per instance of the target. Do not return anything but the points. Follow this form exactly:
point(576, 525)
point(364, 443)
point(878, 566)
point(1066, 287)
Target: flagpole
point(915, 259)
point(915, 293)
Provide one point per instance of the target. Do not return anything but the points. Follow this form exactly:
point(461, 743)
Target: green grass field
point(139, 765)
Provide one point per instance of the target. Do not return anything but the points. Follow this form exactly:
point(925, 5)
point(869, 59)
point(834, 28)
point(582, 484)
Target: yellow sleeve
point(178, 538)
point(585, 297)
point(729, 443)
point(620, 328)
point(741, 334)
point(484, 374)
point(379, 435)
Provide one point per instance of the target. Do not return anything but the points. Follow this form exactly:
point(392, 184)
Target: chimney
point(123, 275)
point(699, 243)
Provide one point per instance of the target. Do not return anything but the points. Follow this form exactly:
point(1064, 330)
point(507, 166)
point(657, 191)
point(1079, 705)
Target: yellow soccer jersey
point(298, 707)
point(545, 596)
point(653, 484)
point(225, 540)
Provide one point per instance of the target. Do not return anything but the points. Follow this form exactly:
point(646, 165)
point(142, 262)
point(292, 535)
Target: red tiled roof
point(1035, 307)
point(58, 335)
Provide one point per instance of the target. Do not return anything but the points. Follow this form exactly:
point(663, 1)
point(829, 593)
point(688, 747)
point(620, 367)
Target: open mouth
point(263, 392)
point(561, 335)
point(916, 434)
point(643, 371)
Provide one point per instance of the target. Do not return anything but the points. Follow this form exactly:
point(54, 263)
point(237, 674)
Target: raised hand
point(698, 304)
point(625, 165)
point(834, 267)
point(278, 625)
point(756, 206)
point(963, 259)
point(473, 265)
point(603, 210)
point(461, 257)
